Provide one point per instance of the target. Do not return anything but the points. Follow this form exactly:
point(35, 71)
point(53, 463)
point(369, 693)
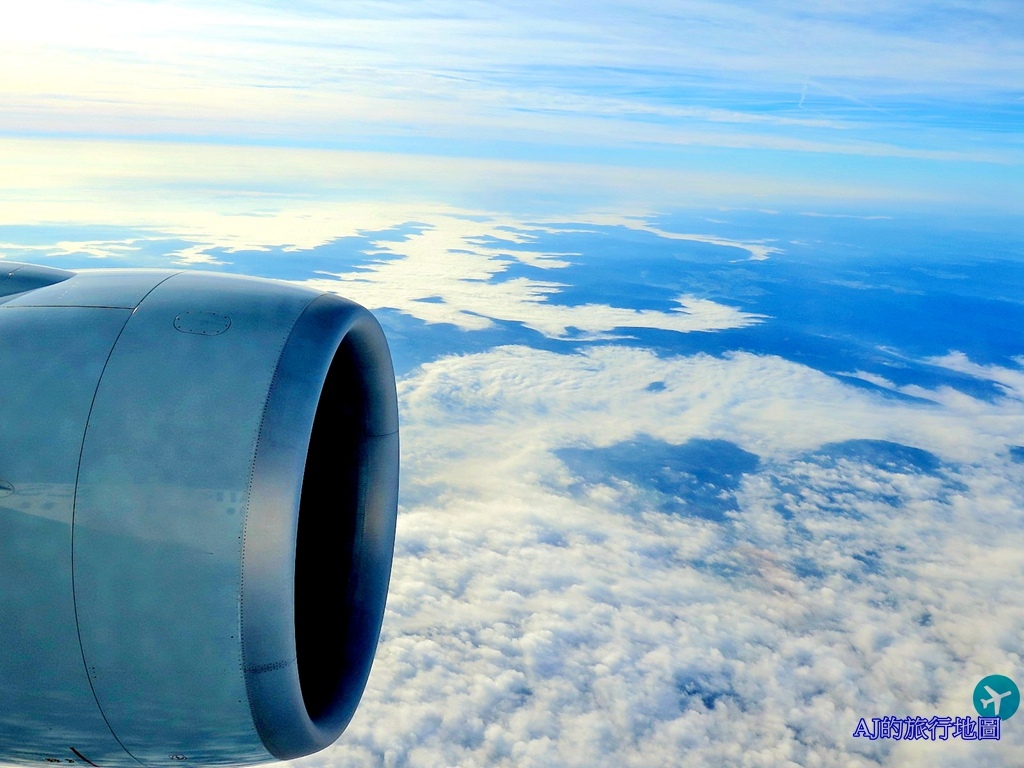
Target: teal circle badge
point(996, 696)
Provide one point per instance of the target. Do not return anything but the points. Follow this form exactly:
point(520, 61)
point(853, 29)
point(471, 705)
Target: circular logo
point(996, 696)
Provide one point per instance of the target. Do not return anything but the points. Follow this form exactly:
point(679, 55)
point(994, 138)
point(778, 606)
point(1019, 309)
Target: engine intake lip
point(315, 573)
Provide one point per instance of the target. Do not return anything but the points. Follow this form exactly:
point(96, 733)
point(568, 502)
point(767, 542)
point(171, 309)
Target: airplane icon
point(996, 699)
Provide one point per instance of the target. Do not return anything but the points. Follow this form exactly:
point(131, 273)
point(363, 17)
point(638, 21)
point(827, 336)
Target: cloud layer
point(539, 617)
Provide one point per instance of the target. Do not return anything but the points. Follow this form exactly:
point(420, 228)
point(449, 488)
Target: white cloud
point(1011, 379)
point(768, 406)
point(759, 250)
point(97, 249)
point(533, 622)
point(444, 275)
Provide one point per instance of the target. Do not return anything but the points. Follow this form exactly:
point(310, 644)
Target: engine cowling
point(198, 486)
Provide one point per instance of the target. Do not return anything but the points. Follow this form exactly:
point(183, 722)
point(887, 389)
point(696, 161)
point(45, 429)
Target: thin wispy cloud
point(617, 83)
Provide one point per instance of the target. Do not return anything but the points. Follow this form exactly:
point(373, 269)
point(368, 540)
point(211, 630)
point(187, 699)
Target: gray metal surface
point(107, 288)
point(47, 706)
point(16, 278)
point(161, 502)
point(155, 436)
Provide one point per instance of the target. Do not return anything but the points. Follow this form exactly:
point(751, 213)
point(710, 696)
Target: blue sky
point(910, 104)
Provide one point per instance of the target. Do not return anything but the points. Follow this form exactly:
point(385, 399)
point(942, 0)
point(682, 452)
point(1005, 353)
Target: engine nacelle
point(198, 485)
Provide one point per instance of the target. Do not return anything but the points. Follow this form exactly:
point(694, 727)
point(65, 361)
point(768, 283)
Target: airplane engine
point(198, 485)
